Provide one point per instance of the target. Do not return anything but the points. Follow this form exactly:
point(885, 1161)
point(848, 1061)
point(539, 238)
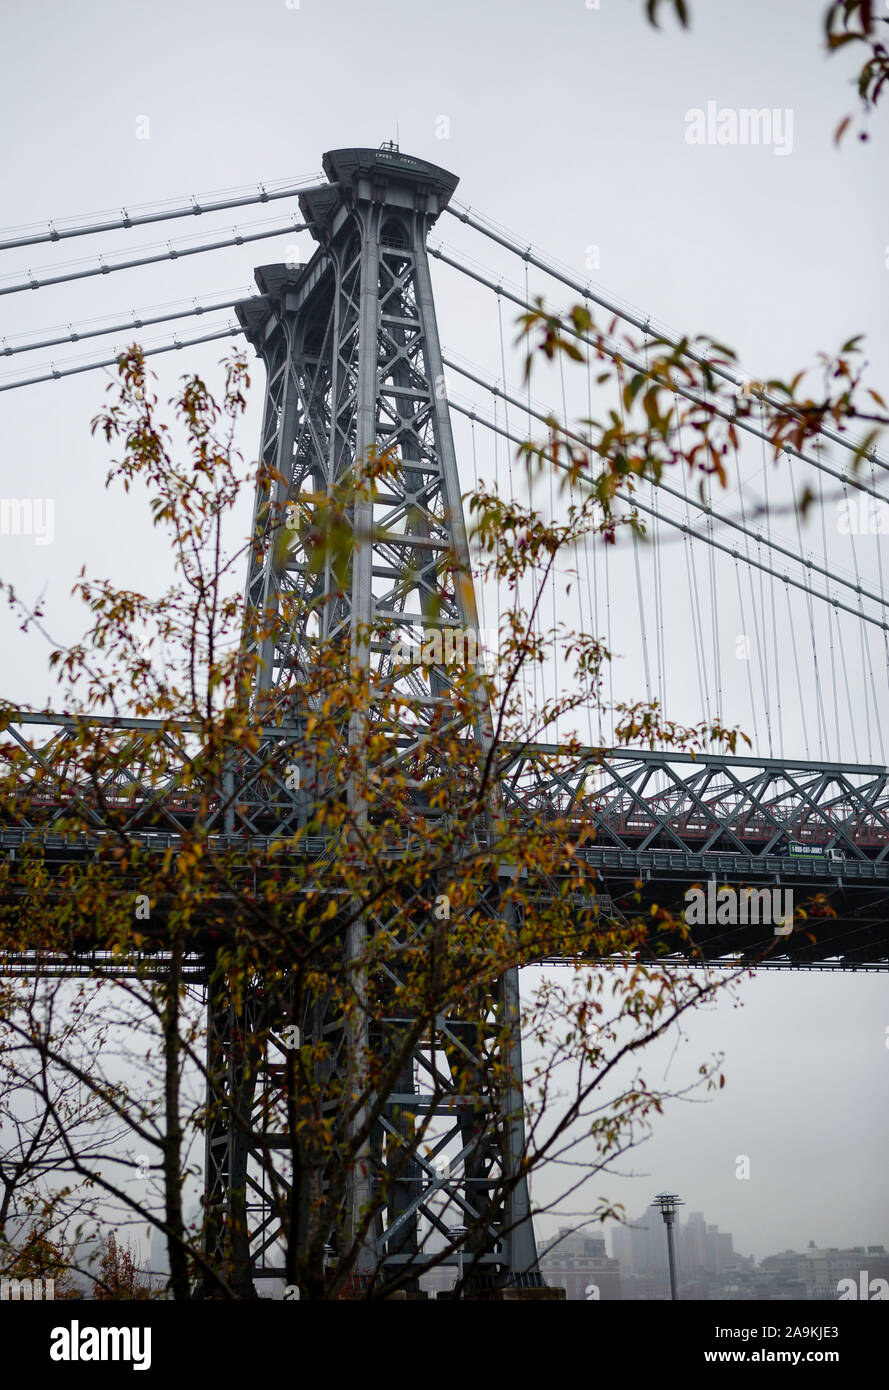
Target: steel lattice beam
point(635, 800)
point(353, 362)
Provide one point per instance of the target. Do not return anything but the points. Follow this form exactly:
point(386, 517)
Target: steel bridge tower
point(351, 349)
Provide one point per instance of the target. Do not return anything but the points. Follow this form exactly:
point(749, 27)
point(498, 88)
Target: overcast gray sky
point(567, 125)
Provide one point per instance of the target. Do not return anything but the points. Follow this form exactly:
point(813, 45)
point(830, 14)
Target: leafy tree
point(276, 924)
point(432, 881)
point(40, 1258)
point(118, 1276)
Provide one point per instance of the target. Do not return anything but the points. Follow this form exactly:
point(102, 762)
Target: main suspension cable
point(637, 502)
point(463, 214)
point(686, 392)
point(172, 254)
point(882, 599)
point(77, 334)
point(195, 208)
point(232, 331)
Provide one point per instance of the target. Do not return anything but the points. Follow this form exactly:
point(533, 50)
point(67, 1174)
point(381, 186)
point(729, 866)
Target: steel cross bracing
point(350, 344)
point(351, 349)
point(354, 365)
point(665, 820)
point(660, 818)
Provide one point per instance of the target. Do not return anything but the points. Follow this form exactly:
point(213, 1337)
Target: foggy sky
point(567, 125)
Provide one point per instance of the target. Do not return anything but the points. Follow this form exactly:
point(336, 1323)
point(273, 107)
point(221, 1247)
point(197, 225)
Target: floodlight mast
point(667, 1202)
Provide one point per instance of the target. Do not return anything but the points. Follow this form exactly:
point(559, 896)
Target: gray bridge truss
point(653, 823)
point(350, 345)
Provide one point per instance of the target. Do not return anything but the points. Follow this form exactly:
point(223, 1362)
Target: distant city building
point(703, 1247)
point(709, 1268)
point(703, 1255)
point(641, 1247)
point(818, 1271)
point(579, 1264)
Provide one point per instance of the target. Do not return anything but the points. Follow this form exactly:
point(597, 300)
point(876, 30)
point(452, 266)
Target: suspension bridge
point(735, 607)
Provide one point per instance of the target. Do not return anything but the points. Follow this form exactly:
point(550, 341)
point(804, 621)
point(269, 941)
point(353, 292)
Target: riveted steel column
point(359, 1189)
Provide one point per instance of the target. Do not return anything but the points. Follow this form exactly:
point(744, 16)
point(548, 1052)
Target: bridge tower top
point(381, 176)
point(350, 343)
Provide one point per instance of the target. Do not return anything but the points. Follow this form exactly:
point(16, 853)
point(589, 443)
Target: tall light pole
point(459, 1232)
point(668, 1202)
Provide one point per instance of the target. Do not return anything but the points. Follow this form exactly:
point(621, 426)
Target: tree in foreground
point(446, 893)
point(118, 1276)
point(378, 924)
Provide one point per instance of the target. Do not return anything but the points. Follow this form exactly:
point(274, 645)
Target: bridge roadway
point(651, 825)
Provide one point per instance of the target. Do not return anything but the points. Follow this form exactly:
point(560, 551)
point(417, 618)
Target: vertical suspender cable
point(746, 656)
point(589, 545)
point(744, 634)
point(639, 603)
point(881, 722)
point(759, 644)
point(714, 611)
point(764, 654)
point(533, 609)
point(610, 647)
point(799, 683)
point(714, 621)
point(851, 713)
point(497, 490)
point(866, 662)
point(705, 702)
point(833, 666)
point(823, 737)
point(765, 483)
point(552, 511)
point(572, 501)
point(512, 496)
point(481, 577)
point(641, 607)
point(659, 611)
point(853, 722)
point(639, 595)
point(505, 396)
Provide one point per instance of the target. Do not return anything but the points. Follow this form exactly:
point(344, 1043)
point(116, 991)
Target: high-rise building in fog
point(641, 1251)
point(641, 1246)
